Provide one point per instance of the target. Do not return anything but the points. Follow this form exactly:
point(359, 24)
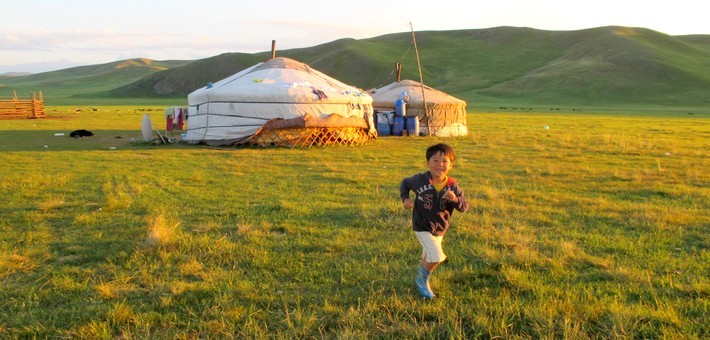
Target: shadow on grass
point(109, 140)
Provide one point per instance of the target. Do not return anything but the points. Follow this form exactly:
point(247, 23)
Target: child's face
point(439, 165)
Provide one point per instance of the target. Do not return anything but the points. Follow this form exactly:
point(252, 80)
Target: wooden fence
point(19, 108)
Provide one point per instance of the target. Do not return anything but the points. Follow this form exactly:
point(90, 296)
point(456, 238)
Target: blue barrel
point(383, 123)
point(400, 108)
point(412, 124)
point(397, 126)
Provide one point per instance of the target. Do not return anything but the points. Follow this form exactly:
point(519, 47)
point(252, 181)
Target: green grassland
point(595, 227)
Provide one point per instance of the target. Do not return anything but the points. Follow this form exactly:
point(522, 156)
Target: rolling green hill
point(600, 66)
point(701, 41)
point(74, 84)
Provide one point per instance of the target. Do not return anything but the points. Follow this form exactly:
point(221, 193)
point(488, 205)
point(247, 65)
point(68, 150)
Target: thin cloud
point(112, 42)
point(298, 33)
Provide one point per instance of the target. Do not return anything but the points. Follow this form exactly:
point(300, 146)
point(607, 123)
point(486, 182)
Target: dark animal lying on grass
point(81, 133)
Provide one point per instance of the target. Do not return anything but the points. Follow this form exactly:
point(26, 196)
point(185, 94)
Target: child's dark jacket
point(431, 211)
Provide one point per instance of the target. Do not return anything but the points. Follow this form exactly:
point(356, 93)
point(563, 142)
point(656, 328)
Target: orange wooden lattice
point(312, 136)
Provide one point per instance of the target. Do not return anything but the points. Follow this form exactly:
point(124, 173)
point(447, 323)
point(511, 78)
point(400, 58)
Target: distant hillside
point(82, 81)
point(182, 80)
point(701, 41)
point(599, 66)
point(608, 65)
point(14, 74)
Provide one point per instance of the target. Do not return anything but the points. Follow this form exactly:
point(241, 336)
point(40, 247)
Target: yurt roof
point(384, 97)
point(280, 80)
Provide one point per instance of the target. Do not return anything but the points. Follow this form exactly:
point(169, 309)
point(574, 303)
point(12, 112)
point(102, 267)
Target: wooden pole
point(273, 49)
point(34, 105)
point(421, 81)
point(398, 68)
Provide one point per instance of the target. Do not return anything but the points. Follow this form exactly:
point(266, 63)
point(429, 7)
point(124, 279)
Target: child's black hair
point(440, 148)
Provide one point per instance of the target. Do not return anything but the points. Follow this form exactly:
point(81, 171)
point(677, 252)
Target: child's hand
point(407, 203)
point(450, 196)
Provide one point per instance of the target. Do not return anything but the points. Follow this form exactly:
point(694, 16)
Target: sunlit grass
point(594, 227)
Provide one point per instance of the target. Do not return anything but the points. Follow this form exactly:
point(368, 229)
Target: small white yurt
point(445, 115)
point(279, 102)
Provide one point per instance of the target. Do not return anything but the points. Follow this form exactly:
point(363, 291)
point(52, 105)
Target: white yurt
point(279, 102)
point(445, 115)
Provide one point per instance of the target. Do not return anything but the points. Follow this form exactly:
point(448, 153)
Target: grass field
point(594, 227)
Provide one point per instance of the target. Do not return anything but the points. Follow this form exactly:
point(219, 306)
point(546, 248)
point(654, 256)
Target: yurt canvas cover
point(447, 114)
point(286, 93)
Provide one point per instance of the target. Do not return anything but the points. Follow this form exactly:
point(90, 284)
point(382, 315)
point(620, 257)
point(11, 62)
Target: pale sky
point(43, 35)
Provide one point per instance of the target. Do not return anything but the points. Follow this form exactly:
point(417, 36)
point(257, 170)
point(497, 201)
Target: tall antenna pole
point(421, 80)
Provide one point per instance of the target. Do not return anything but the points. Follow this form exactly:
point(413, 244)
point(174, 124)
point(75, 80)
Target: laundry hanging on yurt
point(445, 115)
point(301, 105)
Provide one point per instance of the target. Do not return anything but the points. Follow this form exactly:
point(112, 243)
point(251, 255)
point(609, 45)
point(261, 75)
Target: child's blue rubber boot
point(422, 281)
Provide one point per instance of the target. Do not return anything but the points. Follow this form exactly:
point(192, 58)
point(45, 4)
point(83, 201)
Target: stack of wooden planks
point(19, 108)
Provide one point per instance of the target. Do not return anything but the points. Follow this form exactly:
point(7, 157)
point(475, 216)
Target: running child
point(436, 197)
